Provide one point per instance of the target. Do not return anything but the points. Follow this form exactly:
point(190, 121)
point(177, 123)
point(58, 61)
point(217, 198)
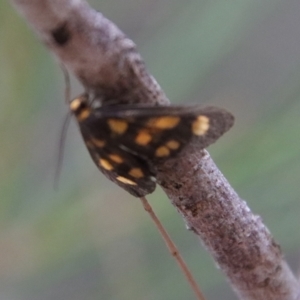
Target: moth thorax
point(79, 106)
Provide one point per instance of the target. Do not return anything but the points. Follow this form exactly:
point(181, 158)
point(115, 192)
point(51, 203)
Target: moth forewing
point(127, 142)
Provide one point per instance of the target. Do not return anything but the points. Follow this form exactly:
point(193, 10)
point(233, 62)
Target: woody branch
point(105, 62)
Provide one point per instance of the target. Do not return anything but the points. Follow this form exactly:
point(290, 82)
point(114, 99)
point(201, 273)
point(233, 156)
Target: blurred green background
point(91, 240)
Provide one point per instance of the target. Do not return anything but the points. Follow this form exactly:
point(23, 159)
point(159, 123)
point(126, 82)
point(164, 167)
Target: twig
point(173, 249)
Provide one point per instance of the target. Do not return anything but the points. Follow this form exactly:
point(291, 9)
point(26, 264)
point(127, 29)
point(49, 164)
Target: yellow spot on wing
point(143, 138)
point(98, 143)
point(164, 122)
point(136, 172)
point(116, 158)
point(162, 151)
point(173, 145)
point(125, 180)
point(105, 164)
point(200, 125)
point(117, 126)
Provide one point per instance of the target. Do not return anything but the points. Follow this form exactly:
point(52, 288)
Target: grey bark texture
point(108, 66)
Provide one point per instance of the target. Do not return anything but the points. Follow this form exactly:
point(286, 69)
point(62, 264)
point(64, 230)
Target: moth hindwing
point(126, 142)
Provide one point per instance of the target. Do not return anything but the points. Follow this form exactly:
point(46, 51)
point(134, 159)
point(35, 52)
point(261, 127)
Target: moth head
point(80, 107)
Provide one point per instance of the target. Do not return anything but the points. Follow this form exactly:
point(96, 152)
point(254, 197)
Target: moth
point(126, 142)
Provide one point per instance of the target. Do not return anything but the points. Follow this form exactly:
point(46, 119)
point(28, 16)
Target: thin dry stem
point(173, 249)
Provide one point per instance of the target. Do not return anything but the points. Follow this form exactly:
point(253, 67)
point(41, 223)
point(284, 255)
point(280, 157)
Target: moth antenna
point(63, 133)
point(68, 84)
point(61, 147)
